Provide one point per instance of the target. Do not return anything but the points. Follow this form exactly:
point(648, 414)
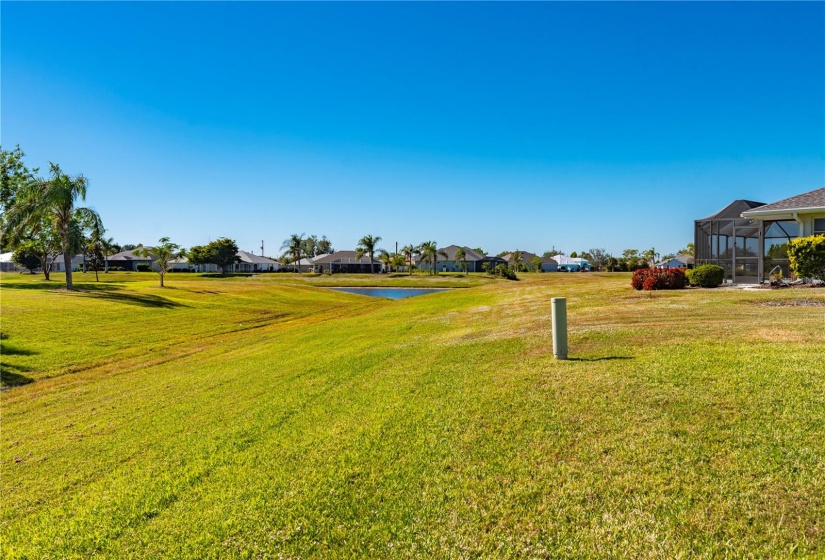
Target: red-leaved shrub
point(658, 279)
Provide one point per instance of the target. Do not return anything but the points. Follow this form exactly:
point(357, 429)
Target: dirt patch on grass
point(778, 335)
point(795, 303)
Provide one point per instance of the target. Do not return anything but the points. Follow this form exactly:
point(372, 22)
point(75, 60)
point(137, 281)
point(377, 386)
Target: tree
point(480, 251)
point(574, 255)
point(598, 258)
point(516, 259)
point(294, 246)
point(409, 251)
point(109, 248)
point(93, 250)
point(309, 246)
point(650, 255)
point(430, 254)
point(690, 249)
point(485, 266)
point(366, 246)
point(386, 258)
point(324, 246)
point(222, 252)
point(53, 199)
point(398, 261)
point(535, 263)
point(130, 247)
point(461, 257)
point(628, 254)
point(551, 253)
point(26, 257)
point(14, 176)
point(163, 254)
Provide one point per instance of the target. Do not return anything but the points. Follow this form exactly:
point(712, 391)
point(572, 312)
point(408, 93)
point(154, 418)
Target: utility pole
point(262, 247)
point(396, 247)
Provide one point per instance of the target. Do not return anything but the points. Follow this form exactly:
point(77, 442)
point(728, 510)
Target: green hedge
point(706, 276)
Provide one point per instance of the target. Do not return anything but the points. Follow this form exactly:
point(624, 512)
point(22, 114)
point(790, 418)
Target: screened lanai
point(730, 241)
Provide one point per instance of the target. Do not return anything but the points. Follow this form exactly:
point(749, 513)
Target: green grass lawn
point(268, 417)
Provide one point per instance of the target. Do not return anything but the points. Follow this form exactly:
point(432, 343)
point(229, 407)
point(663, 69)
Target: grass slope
point(266, 417)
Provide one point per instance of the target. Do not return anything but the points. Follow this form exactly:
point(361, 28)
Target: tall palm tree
point(109, 248)
point(409, 251)
point(430, 253)
point(295, 247)
point(54, 199)
point(366, 246)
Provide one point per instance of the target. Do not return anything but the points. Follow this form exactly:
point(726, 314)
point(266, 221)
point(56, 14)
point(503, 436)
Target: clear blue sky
point(500, 125)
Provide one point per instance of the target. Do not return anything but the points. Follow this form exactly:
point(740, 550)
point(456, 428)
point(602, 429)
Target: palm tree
point(366, 246)
point(109, 248)
point(430, 253)
point(295, 247)
point(461, 256)
point(409, 251)
point(650, 256)
point(386, 258)
point(54, 200)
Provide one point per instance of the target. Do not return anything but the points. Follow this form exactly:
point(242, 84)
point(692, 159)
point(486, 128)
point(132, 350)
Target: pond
point(391, 293)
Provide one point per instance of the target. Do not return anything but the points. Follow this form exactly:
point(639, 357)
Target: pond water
point(391, 293)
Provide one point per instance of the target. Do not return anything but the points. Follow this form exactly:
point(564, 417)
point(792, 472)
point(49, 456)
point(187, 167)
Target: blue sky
point(500, 125)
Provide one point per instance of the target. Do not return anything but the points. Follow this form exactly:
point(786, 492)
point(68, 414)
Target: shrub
point(144, 268)
point(116, 269)
point(706, 276)
point(658, 279)
point(807, 256)
point(505, 271)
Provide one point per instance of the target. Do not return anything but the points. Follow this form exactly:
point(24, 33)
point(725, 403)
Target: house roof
point(255, 259)
point(469, 254)
point(810, 201)
point(6, 257)
point(564, 259)
point(526, 257)
point(129, 256)
point(734, 210)
point(341, 257)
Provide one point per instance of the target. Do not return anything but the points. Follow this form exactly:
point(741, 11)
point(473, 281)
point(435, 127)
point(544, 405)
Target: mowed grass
point(269, 417)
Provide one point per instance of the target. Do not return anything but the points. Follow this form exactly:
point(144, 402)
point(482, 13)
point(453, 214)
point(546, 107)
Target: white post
point(559, 321)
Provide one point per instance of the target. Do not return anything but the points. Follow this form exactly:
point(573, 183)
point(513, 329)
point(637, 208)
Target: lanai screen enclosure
point(747, 249)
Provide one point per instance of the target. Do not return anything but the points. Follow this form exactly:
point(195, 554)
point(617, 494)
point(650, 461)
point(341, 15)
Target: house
point(749, 239)
point(343, 261)
point(254, 263)
point(684, 260)
point(127, 260)
point(571, 264)
point(6, 262)
point(78, 263)
point(475, 260)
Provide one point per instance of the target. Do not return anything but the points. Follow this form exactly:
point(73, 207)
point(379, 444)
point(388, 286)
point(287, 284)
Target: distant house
point(254, 263)
point(6, 264)
point(78, 263)
point(749, 239)
point(571, 264)
point(475, 260)
point(685, 260)
point(127, 260)
point(342, 261)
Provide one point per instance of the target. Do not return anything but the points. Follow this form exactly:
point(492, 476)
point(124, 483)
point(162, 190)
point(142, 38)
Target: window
point(819, 226)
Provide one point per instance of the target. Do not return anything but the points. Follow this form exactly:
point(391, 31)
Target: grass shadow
point(142, 300)
point(227, 275)
point(12, 375)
